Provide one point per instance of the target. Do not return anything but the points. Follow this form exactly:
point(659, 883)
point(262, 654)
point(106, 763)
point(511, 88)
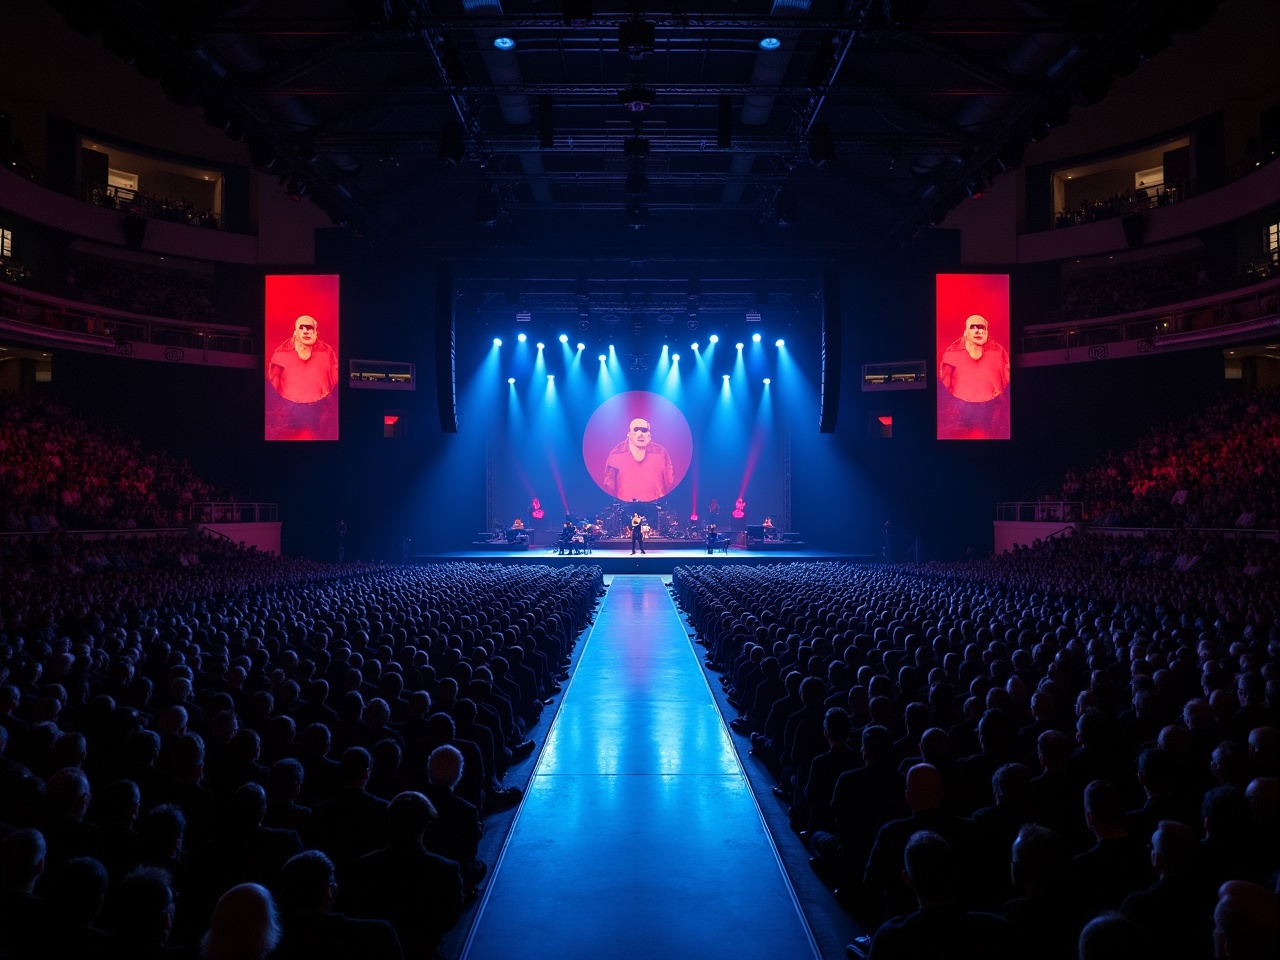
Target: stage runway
point(639, 836)
point(655, 560)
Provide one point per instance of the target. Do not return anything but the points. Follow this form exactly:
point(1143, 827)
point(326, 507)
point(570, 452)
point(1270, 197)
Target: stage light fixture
point(713, 339)
point(693, 346)
point(504, 43)
point(541, 345)
point(755, 338)
point(497, 342)
point(725, 378)
point(582, 346)
point(521, 337)
point(511, 380)
point(739, 344)
point(780, 342)
point(767, 381)
point(675, 358)
point(552, 376)
point(564, 338)
point(770, 43)
point(601, 358)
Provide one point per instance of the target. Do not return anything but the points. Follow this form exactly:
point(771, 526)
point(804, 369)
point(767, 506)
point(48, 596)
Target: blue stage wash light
point(551, 376)
point(755, 338)
point(542, 346)
point(582, 346)
point(766, 43)
point(511, 379)
point(780, 342)
point(522, 338)
point(602, 358)
point(738, 344)
point(497, 342)
point(564, 338)
point(509, 43)
point(675, 358)
point(767, 381)
point(713, 339)
point(725, 378)
point(693, 346)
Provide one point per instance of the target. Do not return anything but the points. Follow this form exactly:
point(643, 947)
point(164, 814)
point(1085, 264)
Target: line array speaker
point(831, 349)
point(446, 348)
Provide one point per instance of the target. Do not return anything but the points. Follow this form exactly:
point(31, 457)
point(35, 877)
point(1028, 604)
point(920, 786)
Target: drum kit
point(615, 520)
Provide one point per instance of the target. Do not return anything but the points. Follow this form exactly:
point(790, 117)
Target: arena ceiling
point(884, 114)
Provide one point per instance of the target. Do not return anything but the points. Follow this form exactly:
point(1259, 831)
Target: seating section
point(1062, 710)
point(193, 717)
point(62, 471)
point(1215, 469)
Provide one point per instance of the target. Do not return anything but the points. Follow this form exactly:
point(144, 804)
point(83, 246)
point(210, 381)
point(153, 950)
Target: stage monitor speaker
point(446, 376)
point(135, 231)
point(1135, 229)
point(831, 349)
point(755, 531)
point(791, 536)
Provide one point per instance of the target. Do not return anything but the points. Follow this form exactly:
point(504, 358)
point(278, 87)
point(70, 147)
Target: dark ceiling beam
point(678, 23)
point(610, 91)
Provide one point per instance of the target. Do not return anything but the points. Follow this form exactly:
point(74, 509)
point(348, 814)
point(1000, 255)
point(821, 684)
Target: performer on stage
point(713, 538)
point(567, 531)
point(637, 533)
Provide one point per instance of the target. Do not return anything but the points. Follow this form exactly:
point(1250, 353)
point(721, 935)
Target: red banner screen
point(301, 337)
point(973, 356)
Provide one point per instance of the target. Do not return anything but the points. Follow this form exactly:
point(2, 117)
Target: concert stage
point(658, 558)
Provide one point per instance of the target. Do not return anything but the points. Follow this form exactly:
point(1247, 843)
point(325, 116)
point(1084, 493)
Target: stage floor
point(654, 560)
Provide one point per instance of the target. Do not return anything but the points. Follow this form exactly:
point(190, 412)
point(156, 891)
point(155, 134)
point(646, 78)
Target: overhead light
point(601, 358)
point(582, 346)
point(521, 337)
point(511, 379)
point(564, 338)
point(767, 381)
point(714, 338)
point(725, 378)
point(497, 342)
point(675, 358)
point(770, 43)
point(504, 43)
point(779, 342)
point(693, 346)
point(738, 344)
point(637, 99)
point(637, 214)
point(541, 345)
point(755, 338)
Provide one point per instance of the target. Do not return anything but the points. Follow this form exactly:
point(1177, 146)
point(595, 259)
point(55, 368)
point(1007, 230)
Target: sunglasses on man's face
point(639, 429)
point(977, 326)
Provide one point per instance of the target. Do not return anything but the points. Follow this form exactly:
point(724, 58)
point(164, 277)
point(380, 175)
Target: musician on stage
point(567, 530)
point(712, 537)
point(637, 533)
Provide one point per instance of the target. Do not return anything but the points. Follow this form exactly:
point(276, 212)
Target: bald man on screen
point(638, 468)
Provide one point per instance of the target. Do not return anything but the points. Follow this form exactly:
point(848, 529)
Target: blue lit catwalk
point(639, 836)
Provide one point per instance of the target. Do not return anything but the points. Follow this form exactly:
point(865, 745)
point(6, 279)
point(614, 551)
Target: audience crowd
point(60, 471)
point(1044, 753)
point(207, 751)
point(1129, 287)
point(140, 203)
point(140, 288)
point(1140, 198)
point(1217, 468)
